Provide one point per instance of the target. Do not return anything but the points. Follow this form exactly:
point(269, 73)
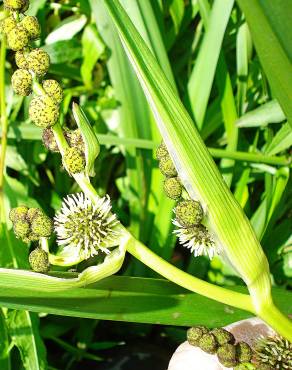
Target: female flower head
point(89, 227)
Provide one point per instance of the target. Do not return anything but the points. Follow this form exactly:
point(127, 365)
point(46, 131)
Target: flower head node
point(87, 226)
point(197, 238)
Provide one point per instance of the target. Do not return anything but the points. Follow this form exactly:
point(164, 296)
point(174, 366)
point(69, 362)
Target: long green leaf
point(270, 25)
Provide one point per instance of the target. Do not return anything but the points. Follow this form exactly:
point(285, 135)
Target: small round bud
point(227, 355)
point(195, 333)
point(15, 4)
point(21, 82)
point(53, 89)
point(75, 139)
point(44, 111)
point(39, 260)
point(74, 160)
point(49, 140)
point(172, 188)
point(161, 151)
point(42, 226)
point(223, 336)
point(18, 213)
point(166, 167)
point(189, 213)
point(21, 228)
point(38, 61)
point(208, 343)
point(17, 38)
point(7, 25)
point(243, 352)
point(32, 26)
point(32, 213)
point(20, 60)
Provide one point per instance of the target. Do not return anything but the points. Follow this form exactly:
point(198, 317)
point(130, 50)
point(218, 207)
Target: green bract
point(32, 27)
point(21, 82)
point(17, 38)
point(74, 160)
point(44, 111)
point(172, 188)
point(53, 89)
point(39, 260)
point(189, 213)
point(38, 61)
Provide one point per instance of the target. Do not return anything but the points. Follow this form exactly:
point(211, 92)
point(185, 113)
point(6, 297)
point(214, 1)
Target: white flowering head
point(197, 238)
point(88, 227)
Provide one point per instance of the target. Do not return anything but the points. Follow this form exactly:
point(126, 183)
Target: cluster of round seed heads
point(221, 342)
point(39, 260)
point(30, 224)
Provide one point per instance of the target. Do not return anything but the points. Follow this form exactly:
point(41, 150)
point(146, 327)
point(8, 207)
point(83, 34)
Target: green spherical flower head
point(243, 352)
point(21, 82)
point(32, 213)
point(49, 140)
point(38, 61)
point(172, 188)
point(15, 4)
point(18, 213)
point(42, 226)
point(161, 151)
point(75, 139)
point(17, 38)
point(21, 228)
point(44, 111)
point(54, 90)
point(223, 336)
point(31, 24)
point(195, 333)
point(39, 260)
point(189, 213)
point(7, 25)
point(208, 343)
point(227, 355)
point(74, 160)
point(20, 60)
point(167, 167)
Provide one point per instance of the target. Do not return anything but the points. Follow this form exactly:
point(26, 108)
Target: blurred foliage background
point(207, 53)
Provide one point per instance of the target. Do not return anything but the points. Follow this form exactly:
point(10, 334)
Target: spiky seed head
point(172, 188)
point(21, 228)
point(189, 213)
point(208, 343)
point(38, 61)
point(276, 352)
point(20, 60)
point(42, 226)
point(161, 151)
point(17, 38)
point(197, 239)
point(44, 111)
point(49, 140)
point(75, 139)
point(39, 260)
point(31, 24)
point(74, 160)
point(227, 355)
point(18, 213)
point(15, 4)
point(243, 352)
point(223, 336)
point(7, 24)
point(54, 90)
point(91, 228)
point(166, 167)
point(32, 213)
point(195, 333)
point(21, 81)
